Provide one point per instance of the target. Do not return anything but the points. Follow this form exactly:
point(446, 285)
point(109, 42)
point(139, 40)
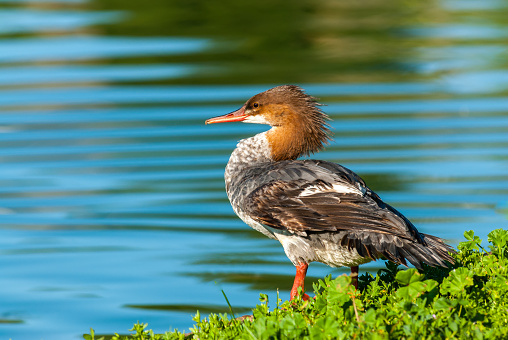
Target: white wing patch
point(339, 188)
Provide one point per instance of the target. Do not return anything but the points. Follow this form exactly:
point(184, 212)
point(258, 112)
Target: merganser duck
point(318, 210)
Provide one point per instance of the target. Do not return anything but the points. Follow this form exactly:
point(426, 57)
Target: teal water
point(112, 198)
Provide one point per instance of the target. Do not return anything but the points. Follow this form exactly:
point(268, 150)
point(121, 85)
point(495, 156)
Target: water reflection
point(81, 48)
point(29, 75)
point(112, 196)
point(191, 309)
point(30, 20)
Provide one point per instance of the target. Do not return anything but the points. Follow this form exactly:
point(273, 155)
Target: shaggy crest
point(301, 126)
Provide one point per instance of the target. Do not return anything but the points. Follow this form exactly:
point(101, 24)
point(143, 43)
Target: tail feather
point(430, 250)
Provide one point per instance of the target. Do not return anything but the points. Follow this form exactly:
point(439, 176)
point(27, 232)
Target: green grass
point(466, 301)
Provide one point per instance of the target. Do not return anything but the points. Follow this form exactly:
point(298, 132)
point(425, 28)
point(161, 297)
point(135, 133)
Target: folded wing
point(305, 197)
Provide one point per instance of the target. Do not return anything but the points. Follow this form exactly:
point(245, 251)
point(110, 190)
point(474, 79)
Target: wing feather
point(306, 197)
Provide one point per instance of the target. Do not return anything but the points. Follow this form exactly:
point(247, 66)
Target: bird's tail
point(433, 252)
point(427, 249)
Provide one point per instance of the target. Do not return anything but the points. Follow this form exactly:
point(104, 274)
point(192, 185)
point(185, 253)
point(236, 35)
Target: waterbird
point(318, 210)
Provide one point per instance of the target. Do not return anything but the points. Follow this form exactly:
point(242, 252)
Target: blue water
point(112, 197)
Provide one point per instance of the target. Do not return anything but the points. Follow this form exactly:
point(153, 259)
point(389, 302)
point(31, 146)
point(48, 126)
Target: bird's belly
point(324, 248)
point(331, 253)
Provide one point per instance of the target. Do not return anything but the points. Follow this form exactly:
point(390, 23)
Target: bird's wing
point(313, 196)
point(305, 197)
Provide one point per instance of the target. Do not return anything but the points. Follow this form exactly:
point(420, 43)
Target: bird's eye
point(255, 105)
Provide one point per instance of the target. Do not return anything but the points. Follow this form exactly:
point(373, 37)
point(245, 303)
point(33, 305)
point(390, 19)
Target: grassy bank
point(466, 301)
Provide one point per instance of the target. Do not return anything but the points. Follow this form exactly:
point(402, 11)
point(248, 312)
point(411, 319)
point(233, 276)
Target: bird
point(318, 210)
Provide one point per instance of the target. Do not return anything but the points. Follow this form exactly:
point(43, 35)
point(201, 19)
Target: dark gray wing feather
point(272, 195)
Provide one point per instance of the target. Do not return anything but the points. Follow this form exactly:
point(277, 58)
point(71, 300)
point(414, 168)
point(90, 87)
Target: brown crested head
point(299, 126)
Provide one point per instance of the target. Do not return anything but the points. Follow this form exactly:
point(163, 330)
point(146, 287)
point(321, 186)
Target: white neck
point(248, 152)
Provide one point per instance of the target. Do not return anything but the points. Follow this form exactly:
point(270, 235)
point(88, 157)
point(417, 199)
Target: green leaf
point(339, 289)
point(408, 276)
point(443, 304)
point(90, 336)
point(469, 235)
point(473, 242)
point(458, 280)
point(412, 291)
point(499, 239)
point(430, 284)
point(370, 316)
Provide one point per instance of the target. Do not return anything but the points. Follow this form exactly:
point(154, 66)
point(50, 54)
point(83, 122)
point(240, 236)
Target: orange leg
point(354, 276)
point(301, 271)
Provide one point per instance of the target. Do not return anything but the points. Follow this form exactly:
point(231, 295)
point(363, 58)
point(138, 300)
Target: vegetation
point(466, 301)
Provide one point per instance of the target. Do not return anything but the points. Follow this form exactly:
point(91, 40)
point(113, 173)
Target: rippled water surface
point(112, 200)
